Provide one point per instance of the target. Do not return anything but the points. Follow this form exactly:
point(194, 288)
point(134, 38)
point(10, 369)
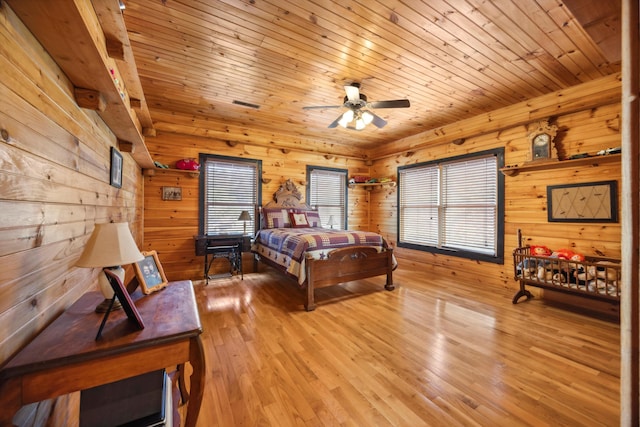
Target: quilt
point(288, 247)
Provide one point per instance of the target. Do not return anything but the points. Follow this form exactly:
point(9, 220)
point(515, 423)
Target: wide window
point(454, 206)
point(327, 192)
point(228, 186)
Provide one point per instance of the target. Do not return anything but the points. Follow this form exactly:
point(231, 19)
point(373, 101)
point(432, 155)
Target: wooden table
point(65, 357)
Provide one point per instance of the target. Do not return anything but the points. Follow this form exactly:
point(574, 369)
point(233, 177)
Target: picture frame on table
point(150, 273)
point(116, 168)
point(122, 295)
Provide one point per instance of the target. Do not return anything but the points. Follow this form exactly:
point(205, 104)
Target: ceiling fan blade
point(396, 103)
point(335, 122)
point(378, 121)
point(353, 92)
point(321, 107)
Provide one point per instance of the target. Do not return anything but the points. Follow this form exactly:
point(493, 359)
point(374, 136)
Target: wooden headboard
point(287, 196)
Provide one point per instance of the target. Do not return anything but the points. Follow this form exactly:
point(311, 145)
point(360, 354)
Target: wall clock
point(541, 141)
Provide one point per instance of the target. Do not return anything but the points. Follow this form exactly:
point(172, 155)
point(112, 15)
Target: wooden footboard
point(347, 264)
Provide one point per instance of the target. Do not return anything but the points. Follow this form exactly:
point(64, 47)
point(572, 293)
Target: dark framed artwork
point(150, 273)
point(586, 202)
point(116, 168)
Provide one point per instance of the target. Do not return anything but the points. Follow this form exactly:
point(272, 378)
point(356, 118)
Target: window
point(228, 186)
point(454, 206)
point(327, 192)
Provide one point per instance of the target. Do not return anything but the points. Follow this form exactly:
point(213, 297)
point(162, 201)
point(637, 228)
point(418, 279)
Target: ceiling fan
point(358, 109)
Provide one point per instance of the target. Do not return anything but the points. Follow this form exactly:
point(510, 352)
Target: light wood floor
point(430, 353)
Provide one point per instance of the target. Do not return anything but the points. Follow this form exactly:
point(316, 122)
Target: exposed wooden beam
point(89, 98)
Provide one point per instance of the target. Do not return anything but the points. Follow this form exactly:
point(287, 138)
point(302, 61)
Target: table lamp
point(332, 221)
point(110, 246)
point(244, 216)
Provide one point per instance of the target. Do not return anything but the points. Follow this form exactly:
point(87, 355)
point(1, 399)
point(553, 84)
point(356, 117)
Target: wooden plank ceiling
point(453, 59)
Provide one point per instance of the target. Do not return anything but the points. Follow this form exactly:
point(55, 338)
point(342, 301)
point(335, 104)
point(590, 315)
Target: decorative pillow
point(313, 217)
point(299, 220)
point(276, 218)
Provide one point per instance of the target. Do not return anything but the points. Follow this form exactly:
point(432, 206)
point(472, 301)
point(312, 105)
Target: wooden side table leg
point(184, 394)
point(196, 358)
point(10, 392)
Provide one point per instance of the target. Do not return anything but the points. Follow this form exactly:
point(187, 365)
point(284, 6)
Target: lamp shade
point(110, 244)
point(244, 216)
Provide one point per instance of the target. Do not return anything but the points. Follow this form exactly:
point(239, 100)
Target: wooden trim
point(630, 240)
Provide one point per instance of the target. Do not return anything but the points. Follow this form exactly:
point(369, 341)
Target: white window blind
point(327, 188)
point(230, 187)
point(451, 205)
point(419, 210)
point(469, 205)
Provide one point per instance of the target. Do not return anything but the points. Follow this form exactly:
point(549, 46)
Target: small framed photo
point(171, 193)
point(150, 273)
point(120, 291)
point(116, 168)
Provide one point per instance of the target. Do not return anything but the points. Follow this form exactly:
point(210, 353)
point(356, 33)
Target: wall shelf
point(368, 186)
point(153, 171)
point(585, 161)
point(88, 65)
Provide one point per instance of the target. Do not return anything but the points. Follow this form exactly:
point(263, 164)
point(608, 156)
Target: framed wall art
point(116, 168)
point(586, 202)
point(150, 273)
point(171, 193)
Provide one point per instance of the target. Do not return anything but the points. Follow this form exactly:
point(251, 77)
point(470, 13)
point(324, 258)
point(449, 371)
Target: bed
point(292, 240)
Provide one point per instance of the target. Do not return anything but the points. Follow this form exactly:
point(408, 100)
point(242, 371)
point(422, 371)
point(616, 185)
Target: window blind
point(230, 187)
point(327, 188)
point(450, 205)
point(469, 205)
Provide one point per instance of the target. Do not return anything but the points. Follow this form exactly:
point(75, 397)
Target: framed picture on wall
point(116, 168)
point(586, 202)
point(171, 193)
point(150, 273)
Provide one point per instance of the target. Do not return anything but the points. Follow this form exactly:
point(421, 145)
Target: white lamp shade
point(110, 245)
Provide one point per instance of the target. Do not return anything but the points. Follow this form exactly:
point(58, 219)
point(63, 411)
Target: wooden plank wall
point(54, 186)
point(585, 131)
point(171, 225)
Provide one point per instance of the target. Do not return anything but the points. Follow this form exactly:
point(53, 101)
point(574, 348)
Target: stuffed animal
point(563, 254)
point(539, 250)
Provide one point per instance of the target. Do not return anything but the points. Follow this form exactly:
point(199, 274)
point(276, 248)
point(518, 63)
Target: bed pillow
point(276, 218)
point(299, 220)
point(313, 217)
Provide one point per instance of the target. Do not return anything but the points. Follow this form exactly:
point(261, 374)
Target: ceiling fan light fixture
point(360, 124)
point(367, 117)
point(347, 117)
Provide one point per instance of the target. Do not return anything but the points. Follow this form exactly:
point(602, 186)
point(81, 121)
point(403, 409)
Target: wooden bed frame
point(342, 265)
